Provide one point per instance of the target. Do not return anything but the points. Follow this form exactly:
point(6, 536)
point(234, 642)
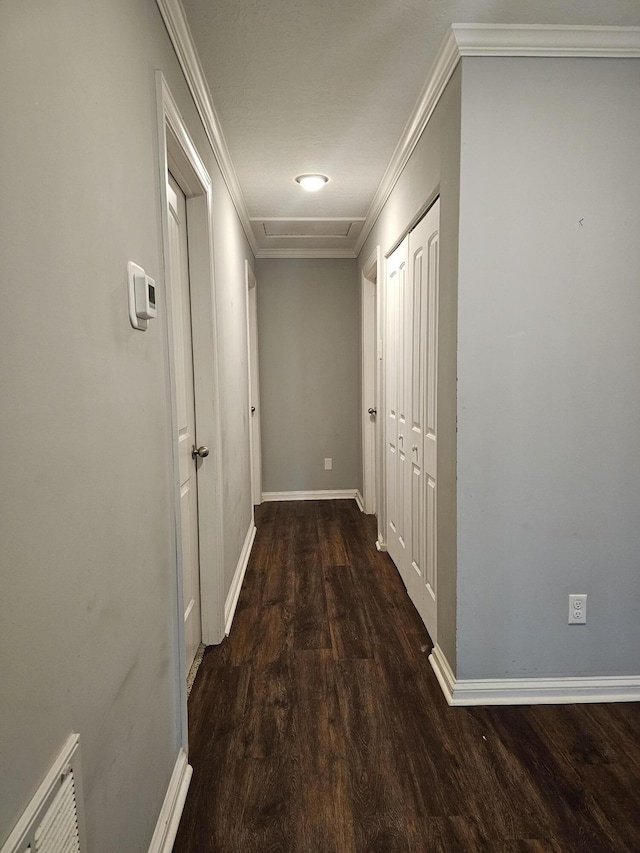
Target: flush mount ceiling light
point(312, 183)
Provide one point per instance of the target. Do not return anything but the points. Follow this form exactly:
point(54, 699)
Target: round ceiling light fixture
point(312, 183)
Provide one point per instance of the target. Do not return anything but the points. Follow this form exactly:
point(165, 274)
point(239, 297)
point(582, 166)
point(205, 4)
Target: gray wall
point(88, 603)
point(549, 358)
point(434, 167)
point(309, 355)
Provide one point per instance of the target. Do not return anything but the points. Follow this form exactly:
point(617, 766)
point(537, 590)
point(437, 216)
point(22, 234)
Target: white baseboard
point(359, 500)
point(238, 577)
point(171, 811)
point(532, 691)
point(322, 495)
point(381, 545)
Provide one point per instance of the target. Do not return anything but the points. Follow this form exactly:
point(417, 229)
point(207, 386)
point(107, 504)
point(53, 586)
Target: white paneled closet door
point(411, 377)
point(395, 418)
point(422, 374)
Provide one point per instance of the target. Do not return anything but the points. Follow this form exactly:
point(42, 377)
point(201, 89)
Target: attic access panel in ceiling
point(308, 233)
point(307, 227)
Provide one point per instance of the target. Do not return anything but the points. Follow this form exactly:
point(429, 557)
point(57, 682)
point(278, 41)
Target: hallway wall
point(548, 367)
point(88, 611)
point(309, 347)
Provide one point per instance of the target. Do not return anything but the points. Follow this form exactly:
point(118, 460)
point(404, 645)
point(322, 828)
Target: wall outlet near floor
point(577, 609)
point(328, 464)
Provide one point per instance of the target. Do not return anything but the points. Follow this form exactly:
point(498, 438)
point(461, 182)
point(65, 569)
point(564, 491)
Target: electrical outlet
point(328, 464)
point(577, 609)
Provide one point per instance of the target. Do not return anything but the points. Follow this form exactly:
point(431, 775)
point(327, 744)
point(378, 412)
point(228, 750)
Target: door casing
point(178, 154)
point(254, 385)
point(369, 383)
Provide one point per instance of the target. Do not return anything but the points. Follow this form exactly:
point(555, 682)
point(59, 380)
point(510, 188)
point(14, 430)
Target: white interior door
point(395, 417)
point(185, 415)
point(421, 327)
point(254, 386)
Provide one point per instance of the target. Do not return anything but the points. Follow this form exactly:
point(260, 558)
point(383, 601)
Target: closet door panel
point(395, 419)
point(414, 376)
point(427, 606)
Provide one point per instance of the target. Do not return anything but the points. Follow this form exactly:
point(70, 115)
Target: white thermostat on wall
point(142, 297)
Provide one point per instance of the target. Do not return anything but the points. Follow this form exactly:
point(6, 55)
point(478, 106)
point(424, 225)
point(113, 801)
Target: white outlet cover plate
point(577, 609)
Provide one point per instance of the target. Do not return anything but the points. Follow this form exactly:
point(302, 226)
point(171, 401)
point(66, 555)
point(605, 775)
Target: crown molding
point(306, 253)
point(461, 40)
point(443, 67)
point(182, 41)
point(493, 40)
point(547, 40)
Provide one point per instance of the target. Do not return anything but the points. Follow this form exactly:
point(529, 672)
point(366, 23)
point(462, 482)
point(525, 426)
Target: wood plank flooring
point(318, 725)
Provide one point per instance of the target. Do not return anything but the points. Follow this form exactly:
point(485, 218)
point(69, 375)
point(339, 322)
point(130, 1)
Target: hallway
point(318, 726)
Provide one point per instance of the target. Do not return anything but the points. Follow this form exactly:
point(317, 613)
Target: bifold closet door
point(421, 353)
point(411, 349)
point(395, 418)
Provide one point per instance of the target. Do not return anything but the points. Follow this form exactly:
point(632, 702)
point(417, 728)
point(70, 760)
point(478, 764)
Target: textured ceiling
point(328, 85)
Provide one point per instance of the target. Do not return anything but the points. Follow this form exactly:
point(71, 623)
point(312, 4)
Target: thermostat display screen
point(152, 294)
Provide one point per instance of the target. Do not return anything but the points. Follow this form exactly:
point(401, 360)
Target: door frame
point(370, 337)
point(255, 443)
point(179, 155)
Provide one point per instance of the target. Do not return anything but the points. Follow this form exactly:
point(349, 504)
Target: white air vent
point(58, 832)
point(54, 821)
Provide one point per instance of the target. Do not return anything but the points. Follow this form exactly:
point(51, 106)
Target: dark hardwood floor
point(318, 726)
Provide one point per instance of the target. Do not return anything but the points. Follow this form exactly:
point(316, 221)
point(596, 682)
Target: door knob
point(372, 411)
point(199, 451)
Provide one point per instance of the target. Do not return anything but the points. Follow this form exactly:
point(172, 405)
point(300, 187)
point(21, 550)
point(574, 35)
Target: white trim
point(369, 379)
point(175, 140)
point(238, 577)
point(321, 495)
point(305, 253)
point(532, 691)
point(183, 44)
point(381, 545)
point(176, 146)
point(493, 40)
point(359, 500)
point(443, 672)
point(171, 811)
point(547, 40)
point(443, 67)
point(461, 40)
point(253, 370)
